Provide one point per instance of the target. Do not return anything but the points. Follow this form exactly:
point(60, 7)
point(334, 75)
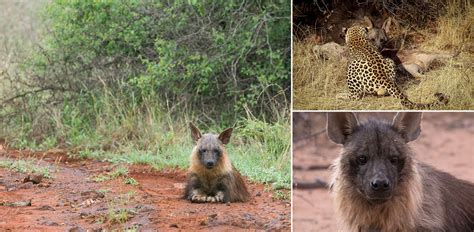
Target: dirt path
point(72, 201)
point(445, 143)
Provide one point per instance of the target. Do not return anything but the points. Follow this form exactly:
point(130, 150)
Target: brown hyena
point(378, 185)
point(211, 176)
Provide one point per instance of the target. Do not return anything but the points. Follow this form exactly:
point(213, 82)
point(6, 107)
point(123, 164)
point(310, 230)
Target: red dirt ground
point(445, 143)
point(71, 201)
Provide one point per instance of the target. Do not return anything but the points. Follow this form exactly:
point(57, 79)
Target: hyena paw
point(219, 196)
point(197, 196)
point(211, 199)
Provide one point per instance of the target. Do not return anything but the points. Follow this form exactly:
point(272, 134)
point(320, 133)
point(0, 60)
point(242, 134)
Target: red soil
point(71, 201)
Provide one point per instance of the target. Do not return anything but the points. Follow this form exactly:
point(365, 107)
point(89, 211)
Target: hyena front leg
point(198, 196)
point(193, 189)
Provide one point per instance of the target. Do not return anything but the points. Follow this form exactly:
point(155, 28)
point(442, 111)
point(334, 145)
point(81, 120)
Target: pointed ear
point(408, 125)
point(195, 133)
point(369, 22)
point(340, 125)
point(224, 136)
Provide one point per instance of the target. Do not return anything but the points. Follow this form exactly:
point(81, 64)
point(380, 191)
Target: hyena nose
point(380, 185)
point(210, 164)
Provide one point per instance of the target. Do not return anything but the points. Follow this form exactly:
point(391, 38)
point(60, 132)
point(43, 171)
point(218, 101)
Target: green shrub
point(215, 57)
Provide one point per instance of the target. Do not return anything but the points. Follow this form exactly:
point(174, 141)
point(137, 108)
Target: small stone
point(204, 222)
point(45, 207)
point(76, 229)
point(26, 185)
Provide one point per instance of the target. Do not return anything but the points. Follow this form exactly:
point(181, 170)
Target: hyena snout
point(209, 160)
point(210, 163)
point(380, 184)
point(379, 187)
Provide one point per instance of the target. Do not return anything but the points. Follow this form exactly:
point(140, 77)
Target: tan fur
point(400, 214)
point(223, 173)
point(224, 166)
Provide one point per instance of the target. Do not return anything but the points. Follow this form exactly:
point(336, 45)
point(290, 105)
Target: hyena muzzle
point(378, 185)
point(211, 176)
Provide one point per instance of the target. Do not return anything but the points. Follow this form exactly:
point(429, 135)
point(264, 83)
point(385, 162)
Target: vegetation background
point(120, 80)
point(430, 26)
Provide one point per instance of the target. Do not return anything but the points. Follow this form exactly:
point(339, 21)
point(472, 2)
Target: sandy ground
point(445, 142)
point(71, 201)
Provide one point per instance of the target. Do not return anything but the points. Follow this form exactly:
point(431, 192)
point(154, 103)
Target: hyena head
point(210, 147)
point(375, 158)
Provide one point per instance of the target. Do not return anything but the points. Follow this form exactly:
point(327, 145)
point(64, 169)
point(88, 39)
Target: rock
point(204, 222)
point(17, 204)
point(92, 194)
point(45, 207)
point(26, 185)
point(35, 179)
point(76, 229)
point(47, 222)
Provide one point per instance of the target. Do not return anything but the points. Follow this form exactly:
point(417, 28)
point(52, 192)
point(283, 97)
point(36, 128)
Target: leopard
point(369, 73)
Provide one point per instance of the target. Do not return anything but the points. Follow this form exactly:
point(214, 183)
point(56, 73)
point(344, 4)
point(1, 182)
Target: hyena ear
point(224, 136)
point(344, 30)
point(195, 133)
point(369, 23)
point(340, 125)
point(408, 125)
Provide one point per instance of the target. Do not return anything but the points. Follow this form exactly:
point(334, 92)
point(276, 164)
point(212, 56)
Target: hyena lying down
point(211, 176)
point(379, 186)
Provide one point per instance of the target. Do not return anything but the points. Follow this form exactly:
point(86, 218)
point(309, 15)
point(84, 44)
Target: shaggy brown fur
point(211, 176)
point(420, 198)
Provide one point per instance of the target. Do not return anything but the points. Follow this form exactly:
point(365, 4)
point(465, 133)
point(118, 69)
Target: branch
point(318, 183)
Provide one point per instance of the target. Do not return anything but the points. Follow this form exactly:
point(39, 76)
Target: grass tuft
point(25, 166)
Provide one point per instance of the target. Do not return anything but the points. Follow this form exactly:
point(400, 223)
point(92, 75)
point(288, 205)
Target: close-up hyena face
point(209, 150)
point(373, 159)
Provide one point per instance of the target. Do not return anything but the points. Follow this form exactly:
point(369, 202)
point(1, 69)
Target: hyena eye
point(202, 151)
point(216, 151)
point(361, 160)
point(394, 160)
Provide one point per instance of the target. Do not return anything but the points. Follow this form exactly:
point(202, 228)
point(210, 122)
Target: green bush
point(214, 57)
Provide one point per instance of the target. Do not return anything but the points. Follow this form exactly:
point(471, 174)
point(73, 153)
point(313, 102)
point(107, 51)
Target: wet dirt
point(445, 143)
point(72, 201)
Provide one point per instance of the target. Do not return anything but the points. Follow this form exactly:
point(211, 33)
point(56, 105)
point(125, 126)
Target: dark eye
point(202, 151)
point(361, 160)
point(394, 160)
point(216, 151)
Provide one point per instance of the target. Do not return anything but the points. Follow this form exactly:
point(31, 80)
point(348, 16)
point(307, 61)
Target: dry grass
point(321, 84)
